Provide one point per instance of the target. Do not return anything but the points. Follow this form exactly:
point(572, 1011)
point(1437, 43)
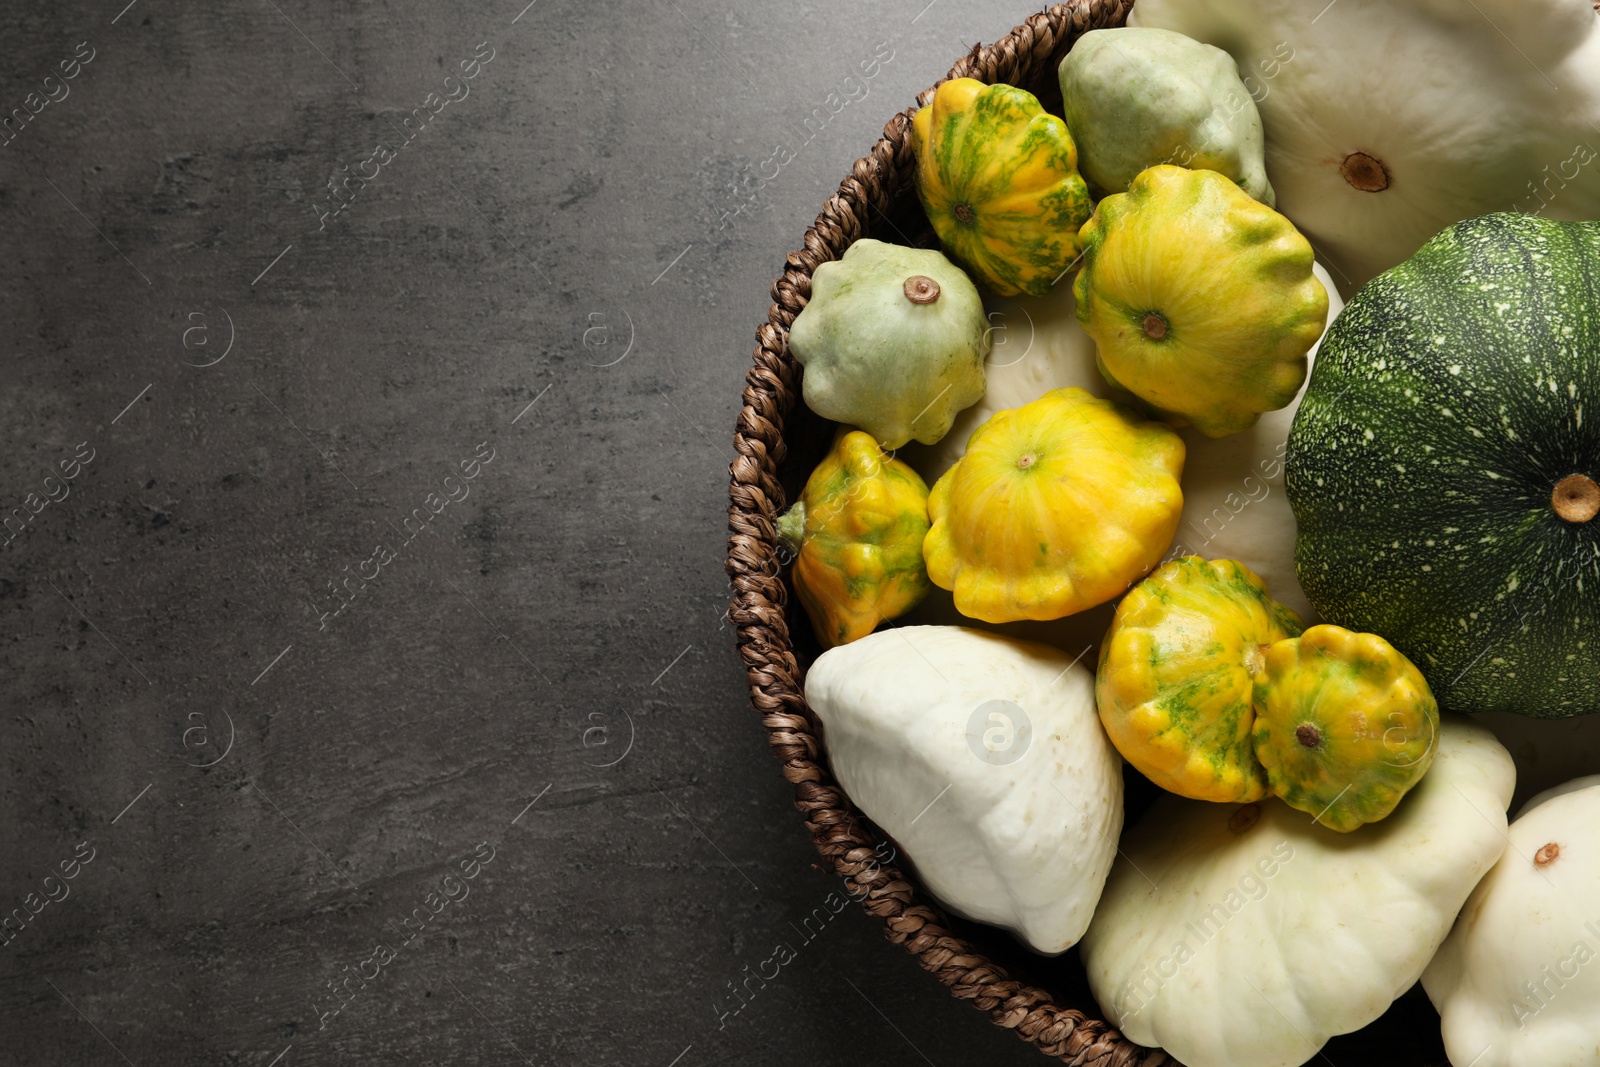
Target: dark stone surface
point(267, 791)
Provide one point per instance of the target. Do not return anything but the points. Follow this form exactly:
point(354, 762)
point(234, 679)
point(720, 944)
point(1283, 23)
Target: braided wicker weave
point(767, 428)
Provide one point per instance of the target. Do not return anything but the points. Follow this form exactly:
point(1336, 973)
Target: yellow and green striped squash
point(1176, 677)
point(1056, 506)
point(856, 533)
point(1345, 725)
point(998, 178)
point(1200, 300)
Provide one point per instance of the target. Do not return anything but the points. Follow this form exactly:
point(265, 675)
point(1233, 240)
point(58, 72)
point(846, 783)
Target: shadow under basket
point(1045, 1002)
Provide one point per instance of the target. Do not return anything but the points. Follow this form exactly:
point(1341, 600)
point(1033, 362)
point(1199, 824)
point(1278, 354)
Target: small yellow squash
point(1056, 506)
point(998, 178)
point(856, 534)
point(1345, 725)
point(1176, 677)
point(1200, 300)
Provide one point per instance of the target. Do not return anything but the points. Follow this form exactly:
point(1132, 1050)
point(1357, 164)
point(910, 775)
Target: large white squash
point(1518, 980)
point(1247, 935)
point(983, 758)
point(1386, 122)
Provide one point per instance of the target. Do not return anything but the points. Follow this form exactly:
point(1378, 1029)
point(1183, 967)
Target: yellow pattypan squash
point(1056, 506)
point(1200, 300)
point(856, 533)
point(1345, 725)
point(1175, 682)
point(998, 178)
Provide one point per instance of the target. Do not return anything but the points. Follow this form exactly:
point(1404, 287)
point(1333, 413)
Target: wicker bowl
point(778, 441)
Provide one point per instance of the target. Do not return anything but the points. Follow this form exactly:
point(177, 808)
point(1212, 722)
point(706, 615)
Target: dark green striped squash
point(1443, 466)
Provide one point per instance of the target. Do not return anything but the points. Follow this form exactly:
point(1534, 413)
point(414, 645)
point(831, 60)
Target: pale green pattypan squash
point(983, 759)
point(1247, 935)
point(1137, 97)
point(1518, 980)
point(1385, 123)
point(893, 341)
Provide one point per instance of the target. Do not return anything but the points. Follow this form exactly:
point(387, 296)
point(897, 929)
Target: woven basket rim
point(759, 595)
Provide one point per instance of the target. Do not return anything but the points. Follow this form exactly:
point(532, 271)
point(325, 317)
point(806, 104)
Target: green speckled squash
point(1345, 725)
point(1176, 676)
point(998, 178)
point(1135, 97)
point(856, 533)
point(1443, 465)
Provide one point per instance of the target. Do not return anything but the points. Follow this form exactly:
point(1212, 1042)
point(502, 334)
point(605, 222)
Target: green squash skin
point(1446, 402)
point(1134, 97)
point(873, 359)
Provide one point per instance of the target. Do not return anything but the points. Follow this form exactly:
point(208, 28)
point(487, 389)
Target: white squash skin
point(1343, 926)
point(1025, 845)
point(1234, 506)
point(1466, 104)
point(1523, 924)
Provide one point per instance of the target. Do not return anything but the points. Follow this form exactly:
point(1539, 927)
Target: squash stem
point(1576, 498)
point(792, 527)
point(1365, 172)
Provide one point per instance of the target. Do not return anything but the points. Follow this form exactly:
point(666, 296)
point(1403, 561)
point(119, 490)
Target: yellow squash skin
point(857, 533)
point(1057, 506)
point(1345, 725)
point(1175, 681)
point(1200, 300)
point(998, 178)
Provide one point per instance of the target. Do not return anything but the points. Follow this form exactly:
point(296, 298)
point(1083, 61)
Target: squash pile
point(1442, 468)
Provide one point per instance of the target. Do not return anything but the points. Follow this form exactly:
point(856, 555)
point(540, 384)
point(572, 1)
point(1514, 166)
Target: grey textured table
point(369, 378)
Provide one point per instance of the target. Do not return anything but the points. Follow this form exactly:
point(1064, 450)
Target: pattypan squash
point(1517, 980)
point(1345, 725)
point(1201, 301)
point(998, 178)
point(1387, 122)
point(981, 757)
point(1136, 97)
point(1247, 936)
point(856, 533)
point(893, 341)
point(1176, 677)
point(1234, 505)
point(1056, 506)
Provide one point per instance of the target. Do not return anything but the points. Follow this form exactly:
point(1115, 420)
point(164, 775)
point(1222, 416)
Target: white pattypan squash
point(1246, 935)
point(984, 759)
point(1233, 501)
point(1518, 980)
point(1388, 121)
